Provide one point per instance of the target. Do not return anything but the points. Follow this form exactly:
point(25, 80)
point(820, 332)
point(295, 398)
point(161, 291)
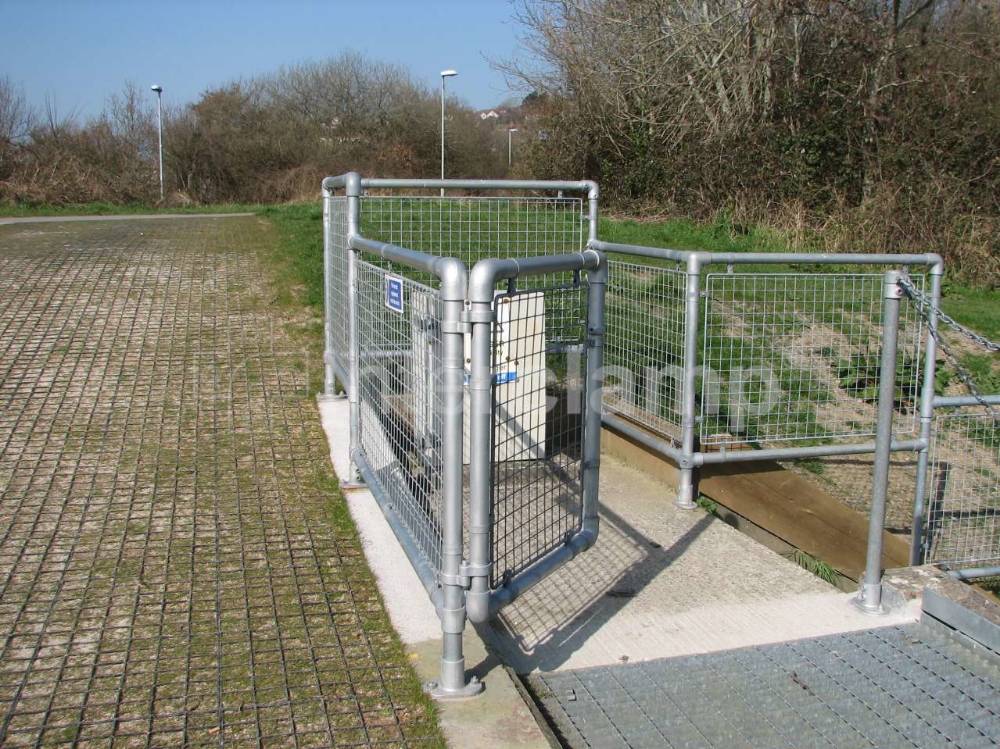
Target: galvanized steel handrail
point(689, 456)
point(459, 588)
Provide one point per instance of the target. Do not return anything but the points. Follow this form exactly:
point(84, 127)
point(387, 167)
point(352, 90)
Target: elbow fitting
point(479, 606)
point(453, 277)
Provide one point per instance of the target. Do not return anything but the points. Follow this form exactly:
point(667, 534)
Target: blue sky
point(82, 51)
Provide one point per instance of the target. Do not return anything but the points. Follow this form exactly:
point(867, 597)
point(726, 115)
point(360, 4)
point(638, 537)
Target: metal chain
point(926, 311)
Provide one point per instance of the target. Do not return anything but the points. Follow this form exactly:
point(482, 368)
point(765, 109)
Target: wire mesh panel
point(963, 490)
point(399, 349)
point(791, 356)
point(336, 237)
point(538, 363)
point(471, 229)
point(644, 345)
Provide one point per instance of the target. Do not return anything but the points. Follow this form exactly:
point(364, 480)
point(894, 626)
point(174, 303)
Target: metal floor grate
point(169, 571)
point(893, 687)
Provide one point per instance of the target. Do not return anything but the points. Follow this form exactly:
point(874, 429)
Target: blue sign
point(499, 378)
point(394, 293)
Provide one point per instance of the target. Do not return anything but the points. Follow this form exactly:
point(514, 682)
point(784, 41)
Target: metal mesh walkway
point(172, 572)
point(893, 687)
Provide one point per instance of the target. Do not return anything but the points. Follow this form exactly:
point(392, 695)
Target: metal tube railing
point(456, 586)
point(770, 258)
point(461, 588)
point(869, 598)
point(926, 417)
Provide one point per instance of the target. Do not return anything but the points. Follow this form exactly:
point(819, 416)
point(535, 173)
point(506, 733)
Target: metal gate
point(470, 383)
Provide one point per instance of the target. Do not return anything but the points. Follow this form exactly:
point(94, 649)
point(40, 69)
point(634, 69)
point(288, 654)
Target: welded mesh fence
point(644, 347)
point(399, 392)
point(963, 489)
point(539, 361)
point(795, 356)
point(473, 228)
point(336, 256)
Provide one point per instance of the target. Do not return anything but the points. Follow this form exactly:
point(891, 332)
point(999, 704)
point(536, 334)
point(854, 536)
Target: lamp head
point(448, 73)
point(157, 88)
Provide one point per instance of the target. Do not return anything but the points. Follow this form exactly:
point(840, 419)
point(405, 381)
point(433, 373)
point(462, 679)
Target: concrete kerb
point(499, 716)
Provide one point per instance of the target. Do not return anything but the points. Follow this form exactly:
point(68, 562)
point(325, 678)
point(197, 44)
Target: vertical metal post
point(329, 379)
point(480, 452)
point(159, 129)
point(869, 598)
point(353, 193)
point(593, 198)
point(442, 131)
point(926, 419)
point(594, 374)
point(597, 282)
point(452, 611)
point(689, 416)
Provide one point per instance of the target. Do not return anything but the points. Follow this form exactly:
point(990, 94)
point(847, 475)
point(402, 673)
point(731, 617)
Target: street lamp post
point(159, 128)
point(444, 74)
point(510, 151)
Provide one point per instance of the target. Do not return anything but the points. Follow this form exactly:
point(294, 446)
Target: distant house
point(490, 114)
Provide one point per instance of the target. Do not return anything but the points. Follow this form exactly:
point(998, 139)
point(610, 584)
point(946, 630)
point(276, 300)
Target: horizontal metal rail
point(974, 573)
point(769, 258)
point(962, 401)
point(585, 186)
point(626, 428)
point(436, 266)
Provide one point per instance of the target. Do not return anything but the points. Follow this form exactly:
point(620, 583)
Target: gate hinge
point(456, 326)
point(469, 570)
point(458, 581)
point(472, 315)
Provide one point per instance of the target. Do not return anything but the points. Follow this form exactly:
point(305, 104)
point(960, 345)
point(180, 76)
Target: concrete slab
point(664, 582)
point(499, 716)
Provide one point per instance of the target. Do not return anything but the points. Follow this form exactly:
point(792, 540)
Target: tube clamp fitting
point(469, 570)
point(457, 581)
point(478, 314)
point(452, 620)
point(455, 326)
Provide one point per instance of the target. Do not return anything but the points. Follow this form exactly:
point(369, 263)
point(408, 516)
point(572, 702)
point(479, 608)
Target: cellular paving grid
point(893, 687)
point(170, 572)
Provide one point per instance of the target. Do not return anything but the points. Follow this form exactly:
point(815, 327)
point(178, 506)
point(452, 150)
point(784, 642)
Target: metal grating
point(792, 356)
point(644, 345)
point(893, 687)
point(963, 489)
point(539, 360)
point(169, 571)
point(398, 389)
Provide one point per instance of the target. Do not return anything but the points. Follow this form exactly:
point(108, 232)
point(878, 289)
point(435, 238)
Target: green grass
point(978, 309)
point(812, 564)
point(299, 253)
point(721, 235)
